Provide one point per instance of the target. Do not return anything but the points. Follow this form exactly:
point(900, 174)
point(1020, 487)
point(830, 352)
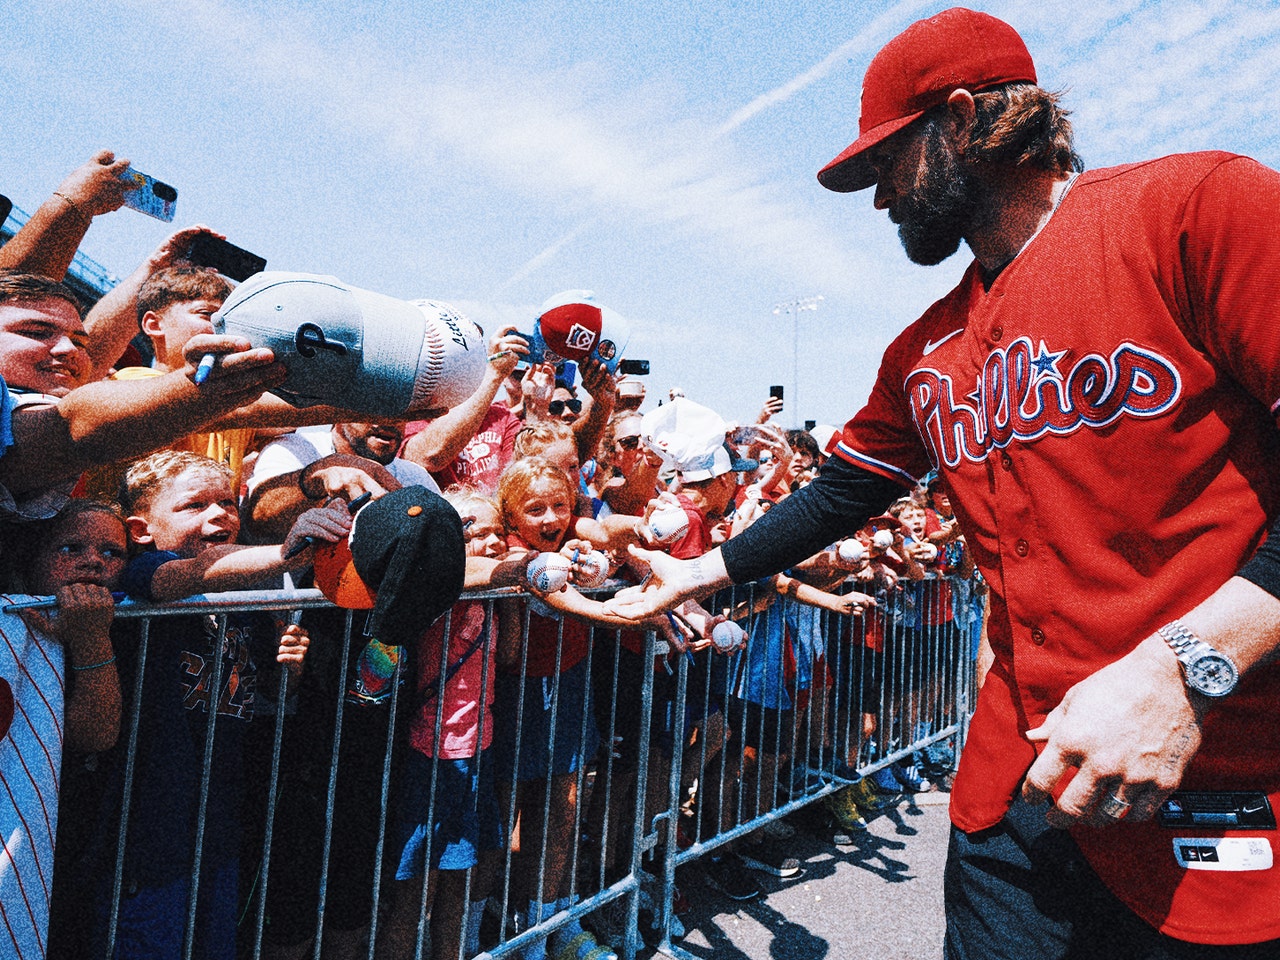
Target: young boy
point(182, 511)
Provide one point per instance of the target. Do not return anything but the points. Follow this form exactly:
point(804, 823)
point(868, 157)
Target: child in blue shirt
point(182, 511)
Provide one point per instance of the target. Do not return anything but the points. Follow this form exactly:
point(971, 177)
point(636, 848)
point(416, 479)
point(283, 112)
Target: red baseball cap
point(917, 70)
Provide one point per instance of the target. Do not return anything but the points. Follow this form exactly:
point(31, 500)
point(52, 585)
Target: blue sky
point(660, 154)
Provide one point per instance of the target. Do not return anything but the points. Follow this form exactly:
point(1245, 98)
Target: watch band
point(1182, 640)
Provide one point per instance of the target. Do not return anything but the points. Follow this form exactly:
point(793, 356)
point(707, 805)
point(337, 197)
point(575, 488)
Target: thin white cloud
point(864, 44)
point(558, 139)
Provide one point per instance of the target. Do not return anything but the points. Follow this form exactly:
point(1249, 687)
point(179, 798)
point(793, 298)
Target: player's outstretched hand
point(1130, 729)
point(670, 583)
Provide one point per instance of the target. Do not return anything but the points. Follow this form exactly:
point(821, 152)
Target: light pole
point(794, 307)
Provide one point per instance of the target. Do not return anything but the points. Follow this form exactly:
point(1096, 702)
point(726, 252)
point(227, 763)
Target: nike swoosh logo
point(933, 345)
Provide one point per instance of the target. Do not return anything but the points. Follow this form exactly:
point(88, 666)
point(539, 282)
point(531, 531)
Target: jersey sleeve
point(882, 436)
point(1231, 262)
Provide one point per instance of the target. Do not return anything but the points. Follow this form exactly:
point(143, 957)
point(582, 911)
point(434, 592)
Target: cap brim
point(850, 171)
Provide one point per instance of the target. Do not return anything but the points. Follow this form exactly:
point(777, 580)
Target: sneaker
point(844, 810)
point(584, 946)
point(868, 798)
point(778, 830)
point(885, 782)
point(728, 874)
point(908, 775)
point(768, 858)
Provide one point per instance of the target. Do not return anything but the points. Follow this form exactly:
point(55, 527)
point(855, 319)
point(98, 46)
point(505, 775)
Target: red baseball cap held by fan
point(917, 70)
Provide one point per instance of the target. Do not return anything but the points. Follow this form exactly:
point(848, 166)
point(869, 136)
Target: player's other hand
point(1129, 730)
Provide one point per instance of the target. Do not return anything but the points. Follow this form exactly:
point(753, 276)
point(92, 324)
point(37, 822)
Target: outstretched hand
point(670, 583)
point(1129, 730)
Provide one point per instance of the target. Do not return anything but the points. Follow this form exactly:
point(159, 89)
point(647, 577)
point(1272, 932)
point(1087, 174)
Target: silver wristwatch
point(1204, 669)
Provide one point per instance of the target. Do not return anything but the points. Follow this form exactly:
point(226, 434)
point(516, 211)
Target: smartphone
point(776, 391)
point(151, 197)
point(5, 206)
point(228, 259)
point(567, 371)
point(636, 368)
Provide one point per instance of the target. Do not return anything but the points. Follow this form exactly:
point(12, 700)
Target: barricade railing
point(603, 763)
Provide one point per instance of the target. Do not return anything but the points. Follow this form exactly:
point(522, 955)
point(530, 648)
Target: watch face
point(1212, 674)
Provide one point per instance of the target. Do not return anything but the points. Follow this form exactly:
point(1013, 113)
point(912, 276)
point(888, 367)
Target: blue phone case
point(151, 197)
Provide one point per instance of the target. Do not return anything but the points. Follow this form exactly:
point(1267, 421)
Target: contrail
point(865, 37)
point(868, 35)
point(533, 264)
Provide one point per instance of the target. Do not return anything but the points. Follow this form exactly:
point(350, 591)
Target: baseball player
point(1099, 394)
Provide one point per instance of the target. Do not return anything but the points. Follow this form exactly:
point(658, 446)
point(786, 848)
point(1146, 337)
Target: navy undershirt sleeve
point(1264, 568)
point(136, 581)
point(836, 504)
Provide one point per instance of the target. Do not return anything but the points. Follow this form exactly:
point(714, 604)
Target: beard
point(932, 220)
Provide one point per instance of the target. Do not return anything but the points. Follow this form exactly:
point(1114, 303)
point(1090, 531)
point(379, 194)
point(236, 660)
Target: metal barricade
point(612, 764)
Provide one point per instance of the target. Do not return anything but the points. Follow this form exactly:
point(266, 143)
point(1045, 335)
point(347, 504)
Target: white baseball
point(883, 539)
point(668, 524)
point(928, 551)
point(547, 572)
point(851, 551)
point(728, 636)
point(593, 569)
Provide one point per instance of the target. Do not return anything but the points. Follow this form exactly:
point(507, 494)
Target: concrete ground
point(880, 899)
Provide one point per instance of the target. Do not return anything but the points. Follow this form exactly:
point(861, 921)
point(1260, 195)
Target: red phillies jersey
point(1104, 417)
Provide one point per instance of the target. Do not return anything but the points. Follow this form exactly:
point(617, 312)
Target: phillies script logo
point(1024, 393)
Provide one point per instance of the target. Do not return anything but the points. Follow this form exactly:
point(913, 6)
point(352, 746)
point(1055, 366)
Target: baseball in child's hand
point(547, 572)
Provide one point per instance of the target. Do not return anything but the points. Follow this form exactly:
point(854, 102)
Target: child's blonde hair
point(531, 441)
point(148, 476)
point(465, 499)
point(516, 480)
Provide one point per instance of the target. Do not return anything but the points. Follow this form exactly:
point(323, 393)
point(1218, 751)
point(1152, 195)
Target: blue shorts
point(575, 731)
point(466, 821)
point(153, 919)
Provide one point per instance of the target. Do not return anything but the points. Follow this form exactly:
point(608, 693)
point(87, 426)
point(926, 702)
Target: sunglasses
point(629, 443)
point(556, 407)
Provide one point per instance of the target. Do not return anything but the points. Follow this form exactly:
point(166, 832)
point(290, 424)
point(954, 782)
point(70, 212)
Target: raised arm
point(113, 320)
point(82, 625)
point(233, 567)
point(47, 242)
point(602, 390)
point(438, 443)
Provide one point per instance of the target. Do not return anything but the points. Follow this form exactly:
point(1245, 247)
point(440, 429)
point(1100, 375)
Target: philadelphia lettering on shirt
point(1024, 392)
point(239, 674)
point(480, 455)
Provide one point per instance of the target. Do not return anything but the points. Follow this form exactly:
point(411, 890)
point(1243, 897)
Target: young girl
point(545, 731)
point(78, 557)
point(447, 803)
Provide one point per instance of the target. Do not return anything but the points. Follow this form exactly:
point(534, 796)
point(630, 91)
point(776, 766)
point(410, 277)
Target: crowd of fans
point(121, 477)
